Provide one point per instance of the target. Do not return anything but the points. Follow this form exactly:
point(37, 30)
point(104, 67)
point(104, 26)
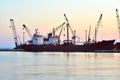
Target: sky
point(46, 14)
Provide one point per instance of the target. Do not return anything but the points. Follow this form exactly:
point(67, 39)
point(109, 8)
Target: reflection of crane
point(118, 21)
point(27, 30)
point(14, 32)
point(97, 27)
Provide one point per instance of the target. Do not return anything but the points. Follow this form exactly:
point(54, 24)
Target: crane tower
point(118, 21)
point(14, 32)
point(97, 27)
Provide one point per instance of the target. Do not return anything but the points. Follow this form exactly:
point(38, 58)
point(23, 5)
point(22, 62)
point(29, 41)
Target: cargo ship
point(53, 42)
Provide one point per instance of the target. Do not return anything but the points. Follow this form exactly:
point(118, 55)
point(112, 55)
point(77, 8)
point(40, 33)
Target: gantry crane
point(118, 21)
point(14, 32)
point(97, 27)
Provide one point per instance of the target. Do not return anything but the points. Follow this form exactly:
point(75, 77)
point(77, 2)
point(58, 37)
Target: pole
point(23, 36)
point(67, 33)
point(86, 36)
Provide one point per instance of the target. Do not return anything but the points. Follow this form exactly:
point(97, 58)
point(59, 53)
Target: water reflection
point(59, 66)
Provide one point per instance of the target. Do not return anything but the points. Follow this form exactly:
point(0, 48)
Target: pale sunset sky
point(46, 14)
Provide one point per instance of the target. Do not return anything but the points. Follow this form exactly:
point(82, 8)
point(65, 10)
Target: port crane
point(68, 26)
point(89, 39)
point(118, 21)
point(27, 30)
point(97, 27)
point(14, 32)
point(56, 29)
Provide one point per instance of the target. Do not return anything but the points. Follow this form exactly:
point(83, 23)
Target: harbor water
point(59, 66)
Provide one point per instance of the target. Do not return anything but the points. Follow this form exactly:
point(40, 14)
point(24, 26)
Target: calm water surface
point(59, 66)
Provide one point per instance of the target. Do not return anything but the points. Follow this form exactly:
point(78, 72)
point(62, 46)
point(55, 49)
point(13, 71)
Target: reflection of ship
point(53, 43)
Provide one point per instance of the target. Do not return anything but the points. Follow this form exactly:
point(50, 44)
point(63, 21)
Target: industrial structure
point(117, 44)
point(97, 28)
point(14, 32)
point(52, 41)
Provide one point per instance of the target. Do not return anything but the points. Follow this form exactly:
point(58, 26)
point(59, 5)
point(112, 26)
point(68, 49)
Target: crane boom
point(57, 28)
point(97, 27)
point(66, 17)
point(118, 21)
point(28, 31)
point(14, 32)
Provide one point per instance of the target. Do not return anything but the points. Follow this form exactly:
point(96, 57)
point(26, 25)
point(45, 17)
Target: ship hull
point(116, 46)
point(103, 45)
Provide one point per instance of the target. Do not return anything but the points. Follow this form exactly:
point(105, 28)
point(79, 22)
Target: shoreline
point(11, 50)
